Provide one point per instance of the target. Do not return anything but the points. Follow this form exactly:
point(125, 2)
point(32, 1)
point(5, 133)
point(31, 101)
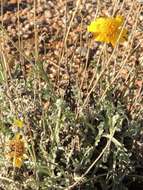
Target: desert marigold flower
point(17, 150)
point(108, 30)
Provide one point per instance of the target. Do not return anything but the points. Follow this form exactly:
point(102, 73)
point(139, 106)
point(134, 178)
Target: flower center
point(17, 147)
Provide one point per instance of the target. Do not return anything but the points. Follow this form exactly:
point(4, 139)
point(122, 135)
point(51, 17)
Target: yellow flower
point(18, 123)
point(17, 150)
point(108, 30)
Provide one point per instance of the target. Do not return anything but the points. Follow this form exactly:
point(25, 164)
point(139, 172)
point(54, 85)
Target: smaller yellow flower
point(18, 123)
point(108, 30)
point(17, 150)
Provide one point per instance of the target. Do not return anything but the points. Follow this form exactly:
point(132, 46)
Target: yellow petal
point(92, 27)
point(17, 136)
point(18, 123)
point(120, 36)
point(96, 25)
point(119, 20)
point(17, 162)
point(113, 42)
point(100, 38)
